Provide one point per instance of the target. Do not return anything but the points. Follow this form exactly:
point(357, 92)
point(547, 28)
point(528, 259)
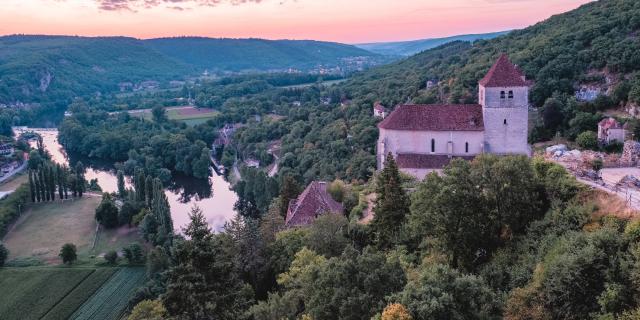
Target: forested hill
point(255, 54)
point(595, 44)
point(54, 69)
point(407, 48)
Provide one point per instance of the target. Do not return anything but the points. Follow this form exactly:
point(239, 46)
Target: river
point(214, 196)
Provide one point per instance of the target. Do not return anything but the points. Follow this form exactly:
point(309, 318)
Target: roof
point(456, 117)
point(312, 202)
point(379, 107)
point(610, 123)
point(503, 73)
point(425, 161)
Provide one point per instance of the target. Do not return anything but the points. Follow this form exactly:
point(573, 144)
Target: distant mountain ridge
point(53, 69)
point(408, 48)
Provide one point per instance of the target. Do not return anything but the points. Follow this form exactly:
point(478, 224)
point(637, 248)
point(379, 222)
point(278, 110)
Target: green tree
point(121, 187)
point(200, 166)
point(159, 114)
point(32, 186)
point(107, 212)
point(133, 253)
point(4, 254)
point(327, 235)
point(289, 190)
point(148, 310)
point(588, 140)
point(68, 253)
point(392, 204)
point(80, 180)
point(111, 257)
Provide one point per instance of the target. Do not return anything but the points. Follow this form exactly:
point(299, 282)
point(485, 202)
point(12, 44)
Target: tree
point(392, 204)
point(588, 140)
point(32, 186)
point(111, 257)
point(148, 310)
point(200, 167)
point(204, 280)
point(107, 212)
point(133, 253)
point(396, 311)
point(159, 114)
point(440, 292)
point(148, 191)
point(327, 235)
point(4, 254)
point(289, 190)
point(68, 253)
point(121, 187)
point(60, 179)
point(35, 160)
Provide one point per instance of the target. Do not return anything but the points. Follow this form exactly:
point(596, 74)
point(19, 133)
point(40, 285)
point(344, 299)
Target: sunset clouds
point(350, 21)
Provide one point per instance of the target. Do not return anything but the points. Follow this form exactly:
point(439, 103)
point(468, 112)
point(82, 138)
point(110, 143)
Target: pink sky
point(349, 21)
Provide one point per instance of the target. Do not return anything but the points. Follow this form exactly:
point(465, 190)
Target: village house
point(310, 204)
point(424, 138)
point(610, 130)
point(379, 110)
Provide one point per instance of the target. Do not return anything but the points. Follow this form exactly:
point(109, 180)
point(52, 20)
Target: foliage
point(107, 212)
point(12, 206)
point(588, 140)
point(392, 204)
point(133, 253)
point(327, 235)
point(111, 257)
point(148, 310)
point(4, 254)
point(68, 253)
point(396, 311)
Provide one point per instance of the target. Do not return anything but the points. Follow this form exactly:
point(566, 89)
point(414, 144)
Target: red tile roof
point(610, 123)
point(379, 107)
point(457, 117)
point(504, 74)
point(312, 202)
point(425, 161)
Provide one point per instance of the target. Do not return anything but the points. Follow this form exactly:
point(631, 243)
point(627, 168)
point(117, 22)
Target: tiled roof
point(312, 202)
point(379, 107)
point(457, 117)
point(504, 74)
point(425, 161)
point(610, 123)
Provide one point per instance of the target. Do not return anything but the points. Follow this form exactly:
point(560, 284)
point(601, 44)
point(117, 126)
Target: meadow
point(190, 115)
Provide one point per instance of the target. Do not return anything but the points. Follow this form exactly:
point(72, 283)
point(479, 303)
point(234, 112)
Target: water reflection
point(213, 196)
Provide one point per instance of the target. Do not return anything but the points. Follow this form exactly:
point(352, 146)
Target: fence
point(630, 195)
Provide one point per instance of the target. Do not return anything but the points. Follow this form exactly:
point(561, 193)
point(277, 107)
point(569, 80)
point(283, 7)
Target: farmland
point(111, 299)
point(47, 293)
point(187, 114)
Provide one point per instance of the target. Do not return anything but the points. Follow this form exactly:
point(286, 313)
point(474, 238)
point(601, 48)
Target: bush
point(336, 189)
point(588, 140)
point(111, 257)
point(68, 253)
point(396, 311)
point(148, 310)
point(632, 230)
point(4, 253)
point(133, 253)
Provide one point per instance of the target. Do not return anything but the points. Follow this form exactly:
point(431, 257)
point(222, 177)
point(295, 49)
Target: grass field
point(44, 227)
point(190, 115)
point(111, 299)
point(47, 293)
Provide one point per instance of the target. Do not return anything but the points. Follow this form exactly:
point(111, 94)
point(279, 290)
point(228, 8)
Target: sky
point(347, 21)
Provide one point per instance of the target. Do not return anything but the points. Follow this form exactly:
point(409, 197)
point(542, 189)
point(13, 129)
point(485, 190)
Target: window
point(433, 145)
point(466, 147)
point(505, 121)
point(501, 94)
point(510, 94)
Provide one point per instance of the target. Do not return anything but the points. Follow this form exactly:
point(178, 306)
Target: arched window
point(466, 147)
point(510, 94)
point(505, 121)
point(501, 94)
point(433, 145)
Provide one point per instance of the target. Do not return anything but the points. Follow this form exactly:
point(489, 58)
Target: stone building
point(379, 110)
point(610, 130)
point(310, 204)
point(424, 138)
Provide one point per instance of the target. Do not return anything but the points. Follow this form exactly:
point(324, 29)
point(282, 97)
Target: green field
point(47, 293)
point(174, 113)
point(110, 301)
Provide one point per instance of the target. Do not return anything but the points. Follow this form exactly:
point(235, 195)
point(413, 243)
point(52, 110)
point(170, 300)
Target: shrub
point(336, 189)
point(588, 140)
point(396, 311)
point(148, 310)
point(632, 230)
point(133, 253)
point(111, 257)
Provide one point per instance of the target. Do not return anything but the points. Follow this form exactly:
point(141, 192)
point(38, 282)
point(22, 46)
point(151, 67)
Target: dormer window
point(466, 147)
point(510, 94)
point(502, 95)
point(433, 145)
point(505, 122)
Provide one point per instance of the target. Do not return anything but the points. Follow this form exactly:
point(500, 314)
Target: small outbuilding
point(313, 202)
point(610, 130)
point(379, 110)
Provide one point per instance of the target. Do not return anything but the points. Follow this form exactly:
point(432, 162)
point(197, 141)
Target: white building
point(610, 130)
point(424, 138)
point(379, 110)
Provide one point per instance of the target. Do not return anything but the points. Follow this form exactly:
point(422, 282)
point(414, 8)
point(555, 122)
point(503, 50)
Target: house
point(311, 203)
point(379, 110)
point(610, 130)
point(424, 138)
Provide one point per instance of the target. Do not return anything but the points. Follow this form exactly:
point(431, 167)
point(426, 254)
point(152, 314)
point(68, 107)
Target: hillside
point(407, 48)
point(53, 69)
point(256, 54)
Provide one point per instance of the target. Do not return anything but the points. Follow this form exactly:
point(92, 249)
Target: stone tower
point(504, 96)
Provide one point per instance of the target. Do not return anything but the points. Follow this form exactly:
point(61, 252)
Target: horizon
point(276, 19)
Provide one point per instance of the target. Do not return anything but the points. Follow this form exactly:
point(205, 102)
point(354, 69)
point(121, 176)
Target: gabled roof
point(503, 73)
point(610, 123)
point(312, 202)
point(425, 161)
point(455, 117)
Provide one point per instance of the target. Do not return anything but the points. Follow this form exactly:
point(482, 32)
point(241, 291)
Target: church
point(424, 138)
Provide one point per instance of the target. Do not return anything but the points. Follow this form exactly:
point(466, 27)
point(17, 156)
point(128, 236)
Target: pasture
point(47, 293)
point(190, 115)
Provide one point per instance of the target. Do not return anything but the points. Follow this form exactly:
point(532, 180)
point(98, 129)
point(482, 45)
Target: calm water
point(213, 196)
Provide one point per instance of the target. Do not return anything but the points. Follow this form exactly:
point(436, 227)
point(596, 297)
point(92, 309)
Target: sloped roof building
point(311, 203)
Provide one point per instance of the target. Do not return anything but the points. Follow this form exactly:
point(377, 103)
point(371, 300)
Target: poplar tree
point(161, 211)
point(51, 182)
point(80, 182)
point(139, 185)
point(392, 204)
point(32, 187)
point(121, 188)
point(36, 184)
point(148, 185)
point(65, 181)
point(60, 180)
point(43, 185)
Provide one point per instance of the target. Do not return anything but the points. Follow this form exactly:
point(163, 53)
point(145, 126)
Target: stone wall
point(509, 138)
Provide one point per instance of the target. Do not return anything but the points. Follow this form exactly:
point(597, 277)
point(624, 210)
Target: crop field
point(110, 301)
point(189, 115)
point(47, 293)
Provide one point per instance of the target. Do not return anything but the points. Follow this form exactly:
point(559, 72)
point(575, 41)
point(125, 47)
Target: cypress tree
point(139, 184)
point(32, 186)
point(392, 204)
point(43, 185)
point(149, 192)
point(121, 188)
point(65, 181)
point(36, 182)
point(161, 210)
point(60, 181)
point(52, 182)
point(80, 181)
